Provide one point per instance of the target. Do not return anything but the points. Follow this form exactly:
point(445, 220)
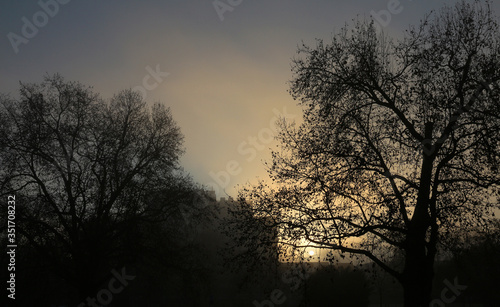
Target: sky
point(221, 66)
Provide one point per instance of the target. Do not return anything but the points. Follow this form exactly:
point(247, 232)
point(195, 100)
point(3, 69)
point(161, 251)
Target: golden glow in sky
point(222, 77)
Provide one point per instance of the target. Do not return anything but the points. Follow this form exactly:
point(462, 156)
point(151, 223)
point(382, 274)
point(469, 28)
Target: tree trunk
point(417, 275)
point(419, 262)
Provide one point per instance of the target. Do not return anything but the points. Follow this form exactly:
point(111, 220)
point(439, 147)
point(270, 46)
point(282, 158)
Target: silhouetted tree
point(399, 143)
point(95, 181)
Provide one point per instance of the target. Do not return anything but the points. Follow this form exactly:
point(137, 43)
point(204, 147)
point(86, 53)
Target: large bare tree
point(398, 147)
point(91, 177)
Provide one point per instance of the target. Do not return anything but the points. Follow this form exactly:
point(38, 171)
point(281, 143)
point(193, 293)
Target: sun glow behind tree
point(399, 144)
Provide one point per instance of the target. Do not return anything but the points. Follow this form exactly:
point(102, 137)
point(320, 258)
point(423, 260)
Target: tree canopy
point(95, 180)
point(399, 144)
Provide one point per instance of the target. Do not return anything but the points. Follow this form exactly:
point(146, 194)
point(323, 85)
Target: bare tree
point(399, 144)
point(91, 177)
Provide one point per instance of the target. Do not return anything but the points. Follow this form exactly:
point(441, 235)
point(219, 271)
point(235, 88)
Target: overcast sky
point(222, 66)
